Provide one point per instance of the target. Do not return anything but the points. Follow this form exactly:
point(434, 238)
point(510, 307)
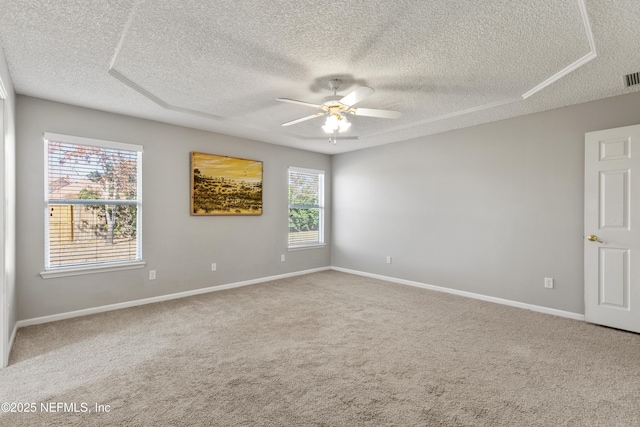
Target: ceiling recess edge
point(547, 82)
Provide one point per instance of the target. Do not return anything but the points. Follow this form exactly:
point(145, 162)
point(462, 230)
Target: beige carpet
point(326, 349)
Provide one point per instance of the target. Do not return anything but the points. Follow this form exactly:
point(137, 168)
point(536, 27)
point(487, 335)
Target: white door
point(612, 228)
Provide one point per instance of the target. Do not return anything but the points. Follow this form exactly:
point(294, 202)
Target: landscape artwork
point(222, 185)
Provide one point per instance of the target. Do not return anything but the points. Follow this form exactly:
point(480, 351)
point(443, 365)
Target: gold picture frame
point(223, 185)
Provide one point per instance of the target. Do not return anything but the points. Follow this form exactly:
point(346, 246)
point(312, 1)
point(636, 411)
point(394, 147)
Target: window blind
point(306, 207)
point(93, 203)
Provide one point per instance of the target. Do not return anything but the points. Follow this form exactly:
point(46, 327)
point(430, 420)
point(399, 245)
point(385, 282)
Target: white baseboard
point(12, 338)
point(127, 304)
point(538, 308)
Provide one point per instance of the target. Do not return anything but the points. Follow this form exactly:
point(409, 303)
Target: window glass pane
point(87, 234)
point(303, 189)
point(87, 172)
point(304, 226)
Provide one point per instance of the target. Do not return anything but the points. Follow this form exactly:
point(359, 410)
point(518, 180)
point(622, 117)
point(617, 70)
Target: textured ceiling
point(220, 65)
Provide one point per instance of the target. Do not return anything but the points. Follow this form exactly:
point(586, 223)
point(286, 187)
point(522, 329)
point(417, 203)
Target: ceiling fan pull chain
point(332, 138)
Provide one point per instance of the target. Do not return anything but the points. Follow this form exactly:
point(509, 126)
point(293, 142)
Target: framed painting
point(222, 185)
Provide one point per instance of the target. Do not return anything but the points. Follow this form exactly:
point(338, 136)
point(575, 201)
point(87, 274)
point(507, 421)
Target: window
point(306, 207)
point(93, 203)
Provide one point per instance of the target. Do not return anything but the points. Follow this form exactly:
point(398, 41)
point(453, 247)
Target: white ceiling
point(219, 65)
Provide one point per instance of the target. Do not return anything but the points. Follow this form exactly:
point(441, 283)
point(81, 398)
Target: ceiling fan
point(335, 107)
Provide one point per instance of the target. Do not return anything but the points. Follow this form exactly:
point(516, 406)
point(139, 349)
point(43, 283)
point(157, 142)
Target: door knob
point(594, 238)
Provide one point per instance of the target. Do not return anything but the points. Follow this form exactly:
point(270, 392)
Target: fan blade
point(357, 95)
point(372, 112)
point(293, 122)
point(293, 101)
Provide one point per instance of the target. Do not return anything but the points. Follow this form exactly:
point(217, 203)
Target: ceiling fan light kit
point(336, 107)
point(336, 122)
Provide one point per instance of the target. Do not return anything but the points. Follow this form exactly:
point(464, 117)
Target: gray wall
point(8, 207)
point(178, 246)
point(491, 209)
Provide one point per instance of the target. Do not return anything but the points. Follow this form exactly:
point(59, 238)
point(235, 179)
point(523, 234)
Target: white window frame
point(320, 207)
point(54, 272)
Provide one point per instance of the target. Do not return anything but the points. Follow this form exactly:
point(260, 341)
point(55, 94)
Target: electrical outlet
point(388, 260)
point(214, 267)
point(548, 282)
point(152, 275)
point(282, 258)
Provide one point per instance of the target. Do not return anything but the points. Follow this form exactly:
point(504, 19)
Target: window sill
point(103, 268)
point(310, 246)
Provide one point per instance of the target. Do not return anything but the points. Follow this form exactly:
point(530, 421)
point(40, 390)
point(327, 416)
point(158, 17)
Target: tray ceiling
point(220, 65)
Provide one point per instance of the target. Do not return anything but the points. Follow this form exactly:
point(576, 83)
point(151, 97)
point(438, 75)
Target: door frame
point(4, 309)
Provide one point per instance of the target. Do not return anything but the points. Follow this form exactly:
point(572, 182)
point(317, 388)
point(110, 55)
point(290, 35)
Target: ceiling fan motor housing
point(331, 100)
